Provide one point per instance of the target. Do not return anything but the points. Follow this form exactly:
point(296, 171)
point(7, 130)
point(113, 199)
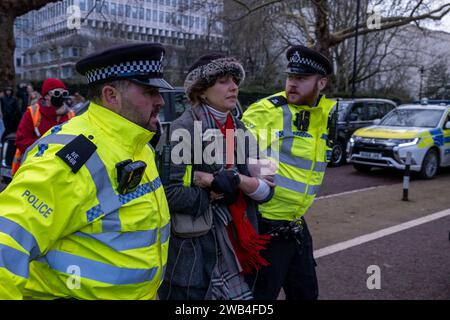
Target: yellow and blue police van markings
point(438, 137)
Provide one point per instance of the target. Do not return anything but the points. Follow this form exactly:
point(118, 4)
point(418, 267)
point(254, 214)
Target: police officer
point(292, 128)
point(86, 216)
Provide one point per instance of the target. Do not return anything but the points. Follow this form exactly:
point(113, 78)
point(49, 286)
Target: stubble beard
point(308, 99)
point(129, 111)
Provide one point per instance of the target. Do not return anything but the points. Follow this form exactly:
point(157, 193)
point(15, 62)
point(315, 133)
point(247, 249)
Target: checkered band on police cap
point(137, 61)
point(125, 70)
point(297, 59)
point(303, 60)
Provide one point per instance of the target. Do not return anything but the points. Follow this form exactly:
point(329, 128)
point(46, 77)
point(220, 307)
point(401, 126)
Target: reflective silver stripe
point(14, 260)
point(297, 161)
point(21, 235)
point(111, 222)
point(107, 198)
point(286, 145)
point(313, 189)
point(291, 160)
point(324, 136)
point(52, 138)
point(295, 185)
point(96, 270)
point(165, 232)
point(122, 241)
point(290, 184)
point(320, 166)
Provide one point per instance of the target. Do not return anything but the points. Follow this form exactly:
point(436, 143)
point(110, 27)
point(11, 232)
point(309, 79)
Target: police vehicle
point(423, 130)
point(352, 115)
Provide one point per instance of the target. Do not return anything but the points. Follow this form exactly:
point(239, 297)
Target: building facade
point(61, 33)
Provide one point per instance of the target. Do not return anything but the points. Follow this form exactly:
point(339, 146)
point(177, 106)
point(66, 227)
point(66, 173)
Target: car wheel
point(362, 167)
point(430, 165)
point(337, 155)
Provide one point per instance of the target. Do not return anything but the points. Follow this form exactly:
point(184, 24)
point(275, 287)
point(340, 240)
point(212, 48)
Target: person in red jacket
point(40, 117)
point(51, 111)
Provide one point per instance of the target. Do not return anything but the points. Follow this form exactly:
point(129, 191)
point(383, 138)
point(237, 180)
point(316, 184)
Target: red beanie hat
point(50, 84)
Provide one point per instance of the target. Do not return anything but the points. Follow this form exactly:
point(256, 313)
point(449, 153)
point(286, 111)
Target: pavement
point(341, 217)
point(414, 263)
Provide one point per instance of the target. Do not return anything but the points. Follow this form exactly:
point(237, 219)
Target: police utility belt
point(285, 229)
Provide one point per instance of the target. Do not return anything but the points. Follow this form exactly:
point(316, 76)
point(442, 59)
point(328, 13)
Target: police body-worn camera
point(129, 175)
point(302, 120)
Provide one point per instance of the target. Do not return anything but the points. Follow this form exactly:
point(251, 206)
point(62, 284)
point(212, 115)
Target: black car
point(7, 151)
point(354, 114)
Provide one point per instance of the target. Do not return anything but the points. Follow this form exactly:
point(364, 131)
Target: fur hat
point(210, 67)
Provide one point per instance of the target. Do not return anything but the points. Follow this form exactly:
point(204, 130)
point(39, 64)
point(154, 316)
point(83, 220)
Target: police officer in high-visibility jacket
point(86, 216)
point(292, 128)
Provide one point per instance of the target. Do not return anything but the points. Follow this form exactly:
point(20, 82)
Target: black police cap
point(140, 63)
point(303, 60)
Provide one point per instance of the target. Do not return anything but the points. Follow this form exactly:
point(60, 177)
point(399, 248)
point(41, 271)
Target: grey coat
point(191, 260)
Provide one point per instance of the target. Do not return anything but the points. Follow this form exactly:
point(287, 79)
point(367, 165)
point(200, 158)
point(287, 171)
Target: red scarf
point(247, 243)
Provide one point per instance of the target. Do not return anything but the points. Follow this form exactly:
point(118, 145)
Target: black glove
point(225, 181)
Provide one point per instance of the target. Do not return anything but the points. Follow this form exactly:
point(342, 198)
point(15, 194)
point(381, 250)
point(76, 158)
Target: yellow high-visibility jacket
point(67, 233)
point(295, 137)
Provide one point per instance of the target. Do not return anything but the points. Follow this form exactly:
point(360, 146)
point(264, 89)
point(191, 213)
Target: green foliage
point(438, 82)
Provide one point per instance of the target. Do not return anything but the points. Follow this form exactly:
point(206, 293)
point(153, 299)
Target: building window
point(128, 11)
point(113, 9)
point(121, 10)
point(167, 16)
point(161, 16)
point(18, 62)
point(83, 5)
point(149, 15)
point(134, 11)
point(67, 72)
point(141, 13)
point(75, 52)
point(90, 4)
point(155, 15)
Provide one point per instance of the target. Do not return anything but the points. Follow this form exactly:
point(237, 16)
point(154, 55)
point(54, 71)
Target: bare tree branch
point(249, 10)
point(387, 23)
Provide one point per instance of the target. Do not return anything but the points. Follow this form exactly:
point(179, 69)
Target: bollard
point(406, 176)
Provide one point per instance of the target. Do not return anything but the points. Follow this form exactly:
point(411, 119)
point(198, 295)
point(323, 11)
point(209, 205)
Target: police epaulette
point(77, 152)
point(278, 101)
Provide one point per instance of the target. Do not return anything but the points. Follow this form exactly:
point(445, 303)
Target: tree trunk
point(322, 27)
point(9, 11)
point(7, 46)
